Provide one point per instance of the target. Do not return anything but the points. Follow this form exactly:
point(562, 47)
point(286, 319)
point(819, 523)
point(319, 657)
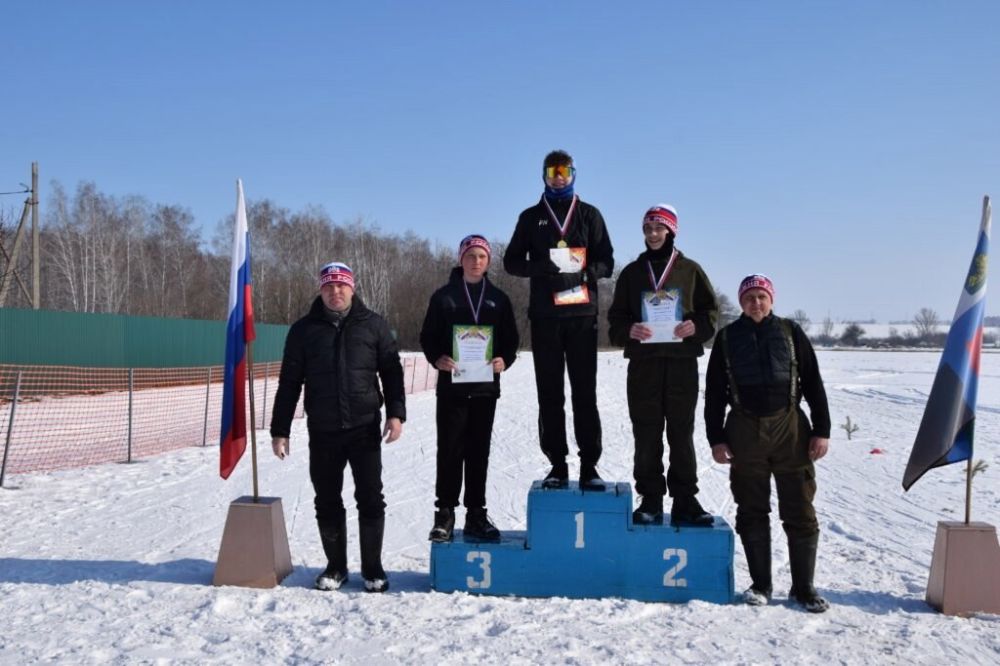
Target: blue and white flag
point(946, 431)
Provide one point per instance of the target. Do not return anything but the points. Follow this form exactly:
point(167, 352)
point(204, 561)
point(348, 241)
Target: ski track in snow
point(113, 563)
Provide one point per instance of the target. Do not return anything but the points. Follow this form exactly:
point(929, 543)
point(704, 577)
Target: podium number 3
point(484, 563)
point(669, 578)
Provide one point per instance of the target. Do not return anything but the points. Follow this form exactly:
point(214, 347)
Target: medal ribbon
point(564, 226)
point(658, 284)
point(468, 297)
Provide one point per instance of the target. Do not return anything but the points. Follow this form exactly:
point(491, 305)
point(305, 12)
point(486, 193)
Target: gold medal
point(561, 243)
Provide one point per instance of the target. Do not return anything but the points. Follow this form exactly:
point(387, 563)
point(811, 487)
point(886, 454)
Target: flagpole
point(253, 420)
point(968, 489)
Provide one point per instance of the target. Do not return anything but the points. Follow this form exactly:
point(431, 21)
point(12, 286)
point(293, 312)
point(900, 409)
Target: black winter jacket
point(340, 368)
point(527, 255)
point(449, 307)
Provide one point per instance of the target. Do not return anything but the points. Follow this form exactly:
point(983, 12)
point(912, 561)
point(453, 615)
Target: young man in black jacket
point(563, 312)
point(761, 367)
point(469, 316)
point(663, 312)
point(339, 351)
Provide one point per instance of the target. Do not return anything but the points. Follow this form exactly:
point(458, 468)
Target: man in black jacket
point(563, 312)
point(339, 351)
point(761, 367)
point(469, 308)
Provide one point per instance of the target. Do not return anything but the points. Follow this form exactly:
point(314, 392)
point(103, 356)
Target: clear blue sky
point(842, 147)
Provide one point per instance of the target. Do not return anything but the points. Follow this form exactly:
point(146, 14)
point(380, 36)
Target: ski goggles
point(566, 171)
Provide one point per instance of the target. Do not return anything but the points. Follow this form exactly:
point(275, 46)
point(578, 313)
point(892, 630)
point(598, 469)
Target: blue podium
point(584, 545)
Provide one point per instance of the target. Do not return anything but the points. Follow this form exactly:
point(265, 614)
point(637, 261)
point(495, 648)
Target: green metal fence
point(47, 337)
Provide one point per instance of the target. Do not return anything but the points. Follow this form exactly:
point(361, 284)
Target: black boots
point(650, 511)
point(444, 525)
point(757, 548)
point(558, 477)
point(802, 560)
point(589, 479)
point(478, 526)
point(687, 512)
point(370, 531)
point(334, 539)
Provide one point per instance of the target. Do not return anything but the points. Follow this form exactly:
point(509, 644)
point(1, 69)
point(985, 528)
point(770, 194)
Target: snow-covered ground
point(113, 564)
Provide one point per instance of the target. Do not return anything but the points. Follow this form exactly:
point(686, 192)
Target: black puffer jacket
point(527, 255)
point(449, 307)
point(340, 366)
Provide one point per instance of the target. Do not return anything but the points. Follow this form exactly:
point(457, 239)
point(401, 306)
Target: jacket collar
point(358, 309)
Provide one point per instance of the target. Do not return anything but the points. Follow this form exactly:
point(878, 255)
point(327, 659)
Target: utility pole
point(10, 275)
point(35, 264)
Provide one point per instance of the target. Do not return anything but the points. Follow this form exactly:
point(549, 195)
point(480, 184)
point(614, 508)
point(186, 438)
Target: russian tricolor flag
point(946, 430)
point(239, 332)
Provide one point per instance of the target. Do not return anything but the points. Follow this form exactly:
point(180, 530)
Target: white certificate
point(472, 350)
point(569, 259)
point(661, 314)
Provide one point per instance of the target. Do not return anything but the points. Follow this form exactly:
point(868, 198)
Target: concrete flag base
point(254, 550)
point(965, 570)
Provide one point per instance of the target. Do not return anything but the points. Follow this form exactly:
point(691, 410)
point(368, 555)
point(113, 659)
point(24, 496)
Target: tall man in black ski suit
point(762, 366)
point(563, 312)
point(339, 351)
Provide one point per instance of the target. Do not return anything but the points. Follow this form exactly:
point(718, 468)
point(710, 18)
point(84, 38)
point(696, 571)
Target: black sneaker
point(589, 478)
point(558, 477)
point(330, 579)
point(650, 512)
point(444, 525)
point(687, 511)
point(479, 528)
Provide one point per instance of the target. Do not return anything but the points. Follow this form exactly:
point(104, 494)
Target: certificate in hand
point(472, 349)
point(569, 259)
point(661, 313)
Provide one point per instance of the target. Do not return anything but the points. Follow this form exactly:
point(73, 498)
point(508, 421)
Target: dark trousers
point(464, 430)
point(663, 390)
point(778, 445)
point(558, 345)
point(329, 453)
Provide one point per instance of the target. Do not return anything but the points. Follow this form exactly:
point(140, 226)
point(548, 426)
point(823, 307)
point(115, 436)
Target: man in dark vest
point(762, 366)
point(562, 245)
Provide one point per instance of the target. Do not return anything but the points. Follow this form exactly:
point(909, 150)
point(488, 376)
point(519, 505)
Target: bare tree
point(926, 322)
point(826, 328)
point(728, 311)
point(802, 319)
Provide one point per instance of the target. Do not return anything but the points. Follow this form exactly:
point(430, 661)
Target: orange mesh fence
point(68, 417)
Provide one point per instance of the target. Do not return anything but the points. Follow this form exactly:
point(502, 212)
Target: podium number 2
point(579, 530)
point(484, 563)
point(669, 578)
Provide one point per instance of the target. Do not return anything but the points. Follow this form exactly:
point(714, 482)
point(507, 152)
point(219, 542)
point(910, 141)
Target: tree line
point(127, 255)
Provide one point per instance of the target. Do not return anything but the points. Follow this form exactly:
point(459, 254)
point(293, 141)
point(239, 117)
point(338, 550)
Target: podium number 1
point(579, 530)
point(670, 578)
point(484, 563)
